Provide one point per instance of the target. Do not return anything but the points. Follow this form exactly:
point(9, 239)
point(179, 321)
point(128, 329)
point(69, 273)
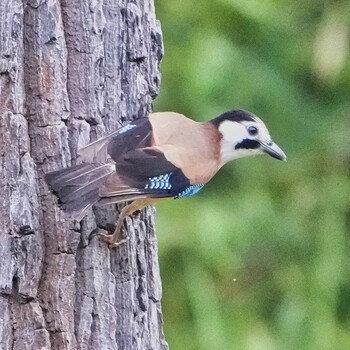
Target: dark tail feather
point(77, 187)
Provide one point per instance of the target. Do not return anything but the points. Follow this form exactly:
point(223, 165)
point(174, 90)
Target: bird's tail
point(77, 187)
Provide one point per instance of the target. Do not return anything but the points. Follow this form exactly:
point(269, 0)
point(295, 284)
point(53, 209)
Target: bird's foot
point(113, 240)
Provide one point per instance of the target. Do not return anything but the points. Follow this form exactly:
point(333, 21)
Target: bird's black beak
point(273, 150)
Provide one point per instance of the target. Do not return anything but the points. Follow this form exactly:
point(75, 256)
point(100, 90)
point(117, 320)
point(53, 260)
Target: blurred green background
point(260, 258)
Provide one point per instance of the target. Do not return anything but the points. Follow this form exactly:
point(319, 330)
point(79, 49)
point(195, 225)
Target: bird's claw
point(112, 241)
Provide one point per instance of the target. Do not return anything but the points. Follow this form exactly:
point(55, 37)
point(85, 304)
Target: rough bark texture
point(70, 72)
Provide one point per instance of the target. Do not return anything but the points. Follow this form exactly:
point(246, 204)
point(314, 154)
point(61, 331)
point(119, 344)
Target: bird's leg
point(115, 238)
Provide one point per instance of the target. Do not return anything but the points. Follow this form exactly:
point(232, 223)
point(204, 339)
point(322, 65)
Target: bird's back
point(191, 146)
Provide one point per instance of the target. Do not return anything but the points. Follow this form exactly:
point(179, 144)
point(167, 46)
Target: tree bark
point(70, 72)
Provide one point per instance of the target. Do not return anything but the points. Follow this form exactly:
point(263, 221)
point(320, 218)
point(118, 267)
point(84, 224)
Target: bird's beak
point(273, 150)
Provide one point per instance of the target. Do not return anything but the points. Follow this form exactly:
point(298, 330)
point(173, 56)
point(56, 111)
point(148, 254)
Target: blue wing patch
point(126, 128)
point(189, 191)
point(161, 182)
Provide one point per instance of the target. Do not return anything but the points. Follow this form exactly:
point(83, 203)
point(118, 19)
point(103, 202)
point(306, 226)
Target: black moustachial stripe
point(247, 144)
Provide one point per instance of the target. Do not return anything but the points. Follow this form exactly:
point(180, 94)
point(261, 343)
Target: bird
point(165, 155)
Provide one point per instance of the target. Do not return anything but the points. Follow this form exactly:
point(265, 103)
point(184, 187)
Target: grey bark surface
point(72, 71)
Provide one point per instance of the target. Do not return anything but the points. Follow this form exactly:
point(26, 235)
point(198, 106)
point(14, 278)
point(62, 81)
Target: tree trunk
point(70, 72)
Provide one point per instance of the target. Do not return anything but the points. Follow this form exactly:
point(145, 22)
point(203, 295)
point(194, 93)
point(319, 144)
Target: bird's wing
point(146, 168)
point(145, 173)
point(136, 134)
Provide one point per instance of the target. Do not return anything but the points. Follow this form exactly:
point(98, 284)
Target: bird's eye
point(252, 130)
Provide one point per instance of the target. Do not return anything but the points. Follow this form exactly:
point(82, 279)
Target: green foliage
point(260, 258)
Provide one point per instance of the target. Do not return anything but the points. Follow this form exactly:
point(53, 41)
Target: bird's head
point(243, 134)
